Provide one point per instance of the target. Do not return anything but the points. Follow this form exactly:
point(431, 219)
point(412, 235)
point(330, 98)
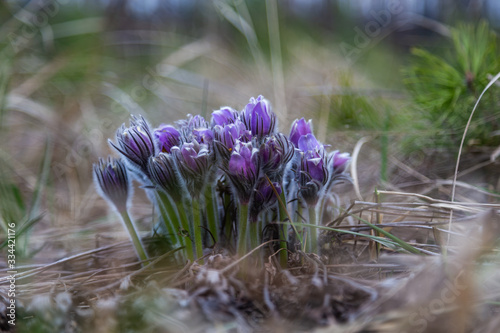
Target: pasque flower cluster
point(224, 179)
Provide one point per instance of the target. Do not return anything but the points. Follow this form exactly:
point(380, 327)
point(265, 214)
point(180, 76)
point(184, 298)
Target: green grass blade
point(383, 241)
point(42, 179)
point(24, 227)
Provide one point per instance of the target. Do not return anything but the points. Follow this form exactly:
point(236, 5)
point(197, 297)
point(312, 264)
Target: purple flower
point(203, 135)
point(338, 162)
point(224, 116)
point(242, 161)
point(192, 156)
point(313, 165)
point(300, 128)
point(241, 166)
point(136, 143)
point(312, 173)
point(258, 117)
point(167, 136)
point(112, 181)
point(275, 153)
point(228, 134)
point(311, 179)
point(309, 143)
point(196, 127)
point(264, 198)
point(194, 161)
point(197, 121)
point(164, 174)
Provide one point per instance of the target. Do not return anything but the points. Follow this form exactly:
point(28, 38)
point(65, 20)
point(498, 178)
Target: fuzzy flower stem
point(254, 230)
point(197, 224)
point(228, 221)
point(321, 209)
point(139, 249)
point(299, 218)
point(188, 242)
point(313, 232)
point(242, 230)
point(283, 232)
point(212, 212)
point(283, 214)
point(254, 234)
point(169, 215)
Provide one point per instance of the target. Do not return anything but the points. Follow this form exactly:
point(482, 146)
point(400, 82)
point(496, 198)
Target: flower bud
point(194, 161)
point(241, 165)
point(224, 116)
point(264, 198)
point(312, 174)
point(167, 136)
point(228, 134)
point(164, 174)
point(136, 143)
point(275, 153)
point(338, 162)
point(258, 117)
point(300, 128)
point(112, 182)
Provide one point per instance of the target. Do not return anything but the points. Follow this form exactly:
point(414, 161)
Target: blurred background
point(404, 74)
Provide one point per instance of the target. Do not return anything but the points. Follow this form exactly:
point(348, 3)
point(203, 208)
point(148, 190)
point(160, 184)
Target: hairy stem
point(212, 212)
point(228, 221)
point(169, 216)
point(283, 234)
point(313, 232)
point(187, 234)
point(197, 226)
point(299, 215)
point(139, 248)
point(242, 230)
point(254, 234)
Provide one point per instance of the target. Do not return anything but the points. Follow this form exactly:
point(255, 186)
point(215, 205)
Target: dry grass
point(356, 285)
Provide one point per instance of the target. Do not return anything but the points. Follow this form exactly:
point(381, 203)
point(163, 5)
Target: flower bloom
point(167, 136)
point(196, 122)
point(164, 175)
point(203, 135)
point(136, 143)
point(258, 117)
point(112, 181)
point(312, 173)
point(299, 128)
point(242, 161)
point(228, 134)
point(264, 197)
point(275, 153)
point(224, 116)
point(241, 165)
point(195, 128)
point(194, 160)
point(339, 162)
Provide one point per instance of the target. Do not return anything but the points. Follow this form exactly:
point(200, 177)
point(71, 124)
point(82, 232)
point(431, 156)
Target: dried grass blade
point(453, 188)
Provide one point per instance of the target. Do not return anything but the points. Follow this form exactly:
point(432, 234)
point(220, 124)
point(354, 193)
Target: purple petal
point(258, 117)
point(339, 161)
point(299, 128)
point(203, 135)
point(308, 143)
point(238, 165)
point(314, 166)
point(167, 136)
point(224, 116)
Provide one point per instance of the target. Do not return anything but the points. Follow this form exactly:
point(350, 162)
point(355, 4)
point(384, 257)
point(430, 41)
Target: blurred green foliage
point(446, 87)
point(360, 109)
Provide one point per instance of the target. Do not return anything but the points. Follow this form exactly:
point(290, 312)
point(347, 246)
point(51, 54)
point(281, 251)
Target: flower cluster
point(317, 170)
point(184, 165)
